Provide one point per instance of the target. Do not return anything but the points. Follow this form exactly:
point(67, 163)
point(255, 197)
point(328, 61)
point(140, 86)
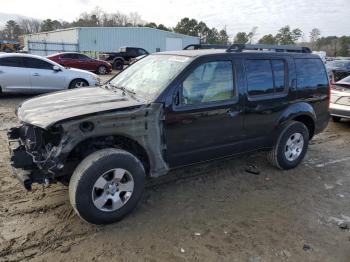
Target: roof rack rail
point(205, 46)
point(273, 48)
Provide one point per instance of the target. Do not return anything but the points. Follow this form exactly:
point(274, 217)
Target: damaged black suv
point(170, 110)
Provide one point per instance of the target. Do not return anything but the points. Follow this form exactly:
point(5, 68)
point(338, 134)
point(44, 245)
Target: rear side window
point(37, 63)
point(11, 61)
point(70, 56)
point(310, 73)
point(265, 76)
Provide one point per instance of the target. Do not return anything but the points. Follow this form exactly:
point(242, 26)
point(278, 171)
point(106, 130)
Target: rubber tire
point(98, 70)
point(336, 119)
point(277, 157)
point(89, 170)
point(74, 82)
point(118, 64)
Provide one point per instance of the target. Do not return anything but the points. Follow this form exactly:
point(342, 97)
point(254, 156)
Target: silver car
point(23, 73)
point(340, 99)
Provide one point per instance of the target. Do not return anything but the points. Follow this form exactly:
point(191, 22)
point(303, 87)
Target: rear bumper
point(340, 110)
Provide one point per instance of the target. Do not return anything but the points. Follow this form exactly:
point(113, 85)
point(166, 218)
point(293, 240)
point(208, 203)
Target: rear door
point(205, 121)
point(13, 76)
point(268, 85)
point(42, 76)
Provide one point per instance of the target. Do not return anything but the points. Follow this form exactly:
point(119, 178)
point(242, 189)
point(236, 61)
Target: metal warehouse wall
point(47, 43)
point(65, 35)
point(110, 39)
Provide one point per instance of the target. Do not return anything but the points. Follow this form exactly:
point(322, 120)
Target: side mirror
point(56, 68)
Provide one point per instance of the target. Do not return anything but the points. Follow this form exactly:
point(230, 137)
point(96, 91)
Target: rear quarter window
point(310, 73)
point(13, 61)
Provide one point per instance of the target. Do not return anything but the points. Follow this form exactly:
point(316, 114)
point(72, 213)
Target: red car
point(80, 61)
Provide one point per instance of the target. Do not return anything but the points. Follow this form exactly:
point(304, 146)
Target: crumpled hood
point(46, 110)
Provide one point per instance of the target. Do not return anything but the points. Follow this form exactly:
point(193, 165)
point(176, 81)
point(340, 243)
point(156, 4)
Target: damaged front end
point(31, 149)
point(50, 154)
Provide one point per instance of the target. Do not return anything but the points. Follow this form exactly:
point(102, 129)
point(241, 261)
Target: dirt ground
point(214, 212)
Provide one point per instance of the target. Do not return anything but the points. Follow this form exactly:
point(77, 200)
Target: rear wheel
point(106, 186)
point(102, 70)
point(118, 64)
point(336, 119)
point(78, 83)
point(291, 146)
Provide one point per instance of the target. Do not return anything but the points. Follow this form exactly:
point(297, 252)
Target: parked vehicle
point(166, 111)
point(338, 69)
point(340, 99)
point(123, 57)
point(30, 74)
point(80, 61)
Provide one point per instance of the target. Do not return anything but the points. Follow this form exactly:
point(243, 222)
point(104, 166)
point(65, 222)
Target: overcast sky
point(332, 17)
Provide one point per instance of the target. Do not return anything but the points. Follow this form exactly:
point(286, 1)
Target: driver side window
point(209, 82)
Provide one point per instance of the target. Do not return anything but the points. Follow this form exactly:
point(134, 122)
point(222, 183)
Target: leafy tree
point(50, 25)
point(151, 25)
point(286, 36)
point(241, 38)
point(12, 30)
point(223, 37)
point(344, 46)
point(163, 27)
point(251, 35)
point(187, 26)
point(267, 40)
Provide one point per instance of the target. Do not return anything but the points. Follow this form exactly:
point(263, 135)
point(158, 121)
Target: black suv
point(124, 56)
point(170, 110)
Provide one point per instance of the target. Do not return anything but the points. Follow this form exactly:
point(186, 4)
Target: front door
point(205, 121)
point(42, 76)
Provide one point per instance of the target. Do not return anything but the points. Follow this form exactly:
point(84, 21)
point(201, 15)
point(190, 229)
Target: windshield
point(343, 64)
point(148, 77)
point(346, 79)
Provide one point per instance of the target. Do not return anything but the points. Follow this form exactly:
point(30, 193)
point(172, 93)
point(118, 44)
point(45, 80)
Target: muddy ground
point(214, 212)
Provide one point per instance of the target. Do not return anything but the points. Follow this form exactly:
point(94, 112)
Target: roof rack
point(272, 48)
point(205, 46)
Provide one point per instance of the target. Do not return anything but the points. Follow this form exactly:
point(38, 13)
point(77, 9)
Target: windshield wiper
point(125, 90)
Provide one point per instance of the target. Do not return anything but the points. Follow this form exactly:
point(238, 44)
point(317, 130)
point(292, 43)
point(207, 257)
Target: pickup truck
point(123, 57)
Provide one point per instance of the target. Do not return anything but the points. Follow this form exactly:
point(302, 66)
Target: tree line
point(333, 45)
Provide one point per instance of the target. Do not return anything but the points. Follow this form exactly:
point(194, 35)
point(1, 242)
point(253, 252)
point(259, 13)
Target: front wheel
point(118, 65)
point(102, 70)
point(106, 186)
point(291, 146)
point(77, 83)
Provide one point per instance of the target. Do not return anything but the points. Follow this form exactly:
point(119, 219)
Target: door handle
point(36, 74)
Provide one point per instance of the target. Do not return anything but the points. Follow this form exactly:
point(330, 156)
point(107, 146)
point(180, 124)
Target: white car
point(340, 99)
point(23, 73)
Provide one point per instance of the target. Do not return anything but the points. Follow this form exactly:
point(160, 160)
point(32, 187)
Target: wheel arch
point(87, 146)
point(301, 112)
point(118, 58)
